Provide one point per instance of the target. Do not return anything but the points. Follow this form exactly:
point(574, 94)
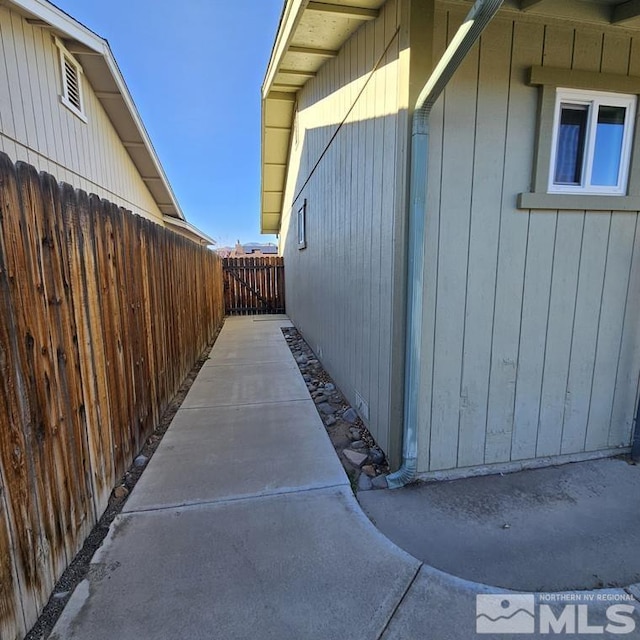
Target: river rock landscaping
point(363, 460)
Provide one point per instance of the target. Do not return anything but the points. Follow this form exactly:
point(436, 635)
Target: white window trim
point(65, 54)
point(301, 223)
point(593, 99)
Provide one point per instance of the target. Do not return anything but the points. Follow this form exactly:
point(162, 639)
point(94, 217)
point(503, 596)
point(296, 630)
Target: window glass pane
point(302, 232)
point(608, 149)
point(571, 140)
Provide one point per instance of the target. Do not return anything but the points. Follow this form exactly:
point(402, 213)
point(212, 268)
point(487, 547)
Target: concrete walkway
point(244, 526)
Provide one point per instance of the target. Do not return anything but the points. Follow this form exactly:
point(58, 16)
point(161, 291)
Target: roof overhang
point(186, 229)
point(310, 33)
point(101, 70)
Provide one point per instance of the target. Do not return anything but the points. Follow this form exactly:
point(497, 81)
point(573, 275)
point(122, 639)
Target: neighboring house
point(519, 261)
point(251, 249)
point(66, 110)
point(254, 249)
point(261, 250)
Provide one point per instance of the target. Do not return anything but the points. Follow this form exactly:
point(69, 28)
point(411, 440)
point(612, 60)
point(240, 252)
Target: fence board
point(102, 315)
point(254, 285)
point(27, 376)
point(17, 514)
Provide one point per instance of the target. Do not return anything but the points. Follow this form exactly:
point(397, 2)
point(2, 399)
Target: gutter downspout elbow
point(474, 24)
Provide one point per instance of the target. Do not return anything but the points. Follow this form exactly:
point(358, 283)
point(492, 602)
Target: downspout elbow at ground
point(474, 24)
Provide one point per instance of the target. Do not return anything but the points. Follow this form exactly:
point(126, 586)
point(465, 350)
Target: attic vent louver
point(71, 76)
point(72, 82)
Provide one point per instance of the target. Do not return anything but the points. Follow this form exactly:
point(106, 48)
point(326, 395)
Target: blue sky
point(194, 69)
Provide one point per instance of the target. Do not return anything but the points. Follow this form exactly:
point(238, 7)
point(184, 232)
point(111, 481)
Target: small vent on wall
point(72, 83)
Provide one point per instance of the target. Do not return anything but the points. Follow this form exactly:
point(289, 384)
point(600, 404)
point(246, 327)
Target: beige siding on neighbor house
point(531, 317)
point(344, 290)
point(36, 128)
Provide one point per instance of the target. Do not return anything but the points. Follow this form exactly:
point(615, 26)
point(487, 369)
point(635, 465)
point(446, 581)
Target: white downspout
point(468, 33)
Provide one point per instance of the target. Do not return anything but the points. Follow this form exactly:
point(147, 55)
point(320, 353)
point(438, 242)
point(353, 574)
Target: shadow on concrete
point(575, 526)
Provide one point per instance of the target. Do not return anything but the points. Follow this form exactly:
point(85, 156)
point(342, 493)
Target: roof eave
point(70, 29)
point(295, 58)
point(190, 229)
point(169, 204)
point(291, 15)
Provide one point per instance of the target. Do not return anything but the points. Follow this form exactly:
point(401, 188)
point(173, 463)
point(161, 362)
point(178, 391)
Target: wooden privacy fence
point(102, 316)
point(253, 285)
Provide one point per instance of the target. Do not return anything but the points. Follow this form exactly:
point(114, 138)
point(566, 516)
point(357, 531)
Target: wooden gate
point(253, 285)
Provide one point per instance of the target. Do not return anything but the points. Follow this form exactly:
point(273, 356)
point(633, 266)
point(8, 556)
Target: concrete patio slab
point(246, 384)
point(233, 452)
point(306, 565)
point(575, 526)
point(442, 607)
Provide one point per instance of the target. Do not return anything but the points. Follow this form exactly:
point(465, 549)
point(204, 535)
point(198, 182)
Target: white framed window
point(302, 225)
point(591, 143)
point(71, 80)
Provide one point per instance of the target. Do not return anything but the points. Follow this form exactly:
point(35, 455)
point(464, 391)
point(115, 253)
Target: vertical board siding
point(492, 105)
point(454, 212)
point(616, 281)
point(340, 289)
point(533, 330)
point(36, 128)
point(103, 315)
point(541, 435)
point(390, 252)
point(432, 232)
point(585, 329)
point(530, 329)
point(626, 388)
point(512, 244)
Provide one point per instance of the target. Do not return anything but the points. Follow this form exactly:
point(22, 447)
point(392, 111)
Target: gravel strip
point(363, 460)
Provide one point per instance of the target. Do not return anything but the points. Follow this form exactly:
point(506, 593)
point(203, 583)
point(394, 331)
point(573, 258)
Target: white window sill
point(578, 202)
point(73, 110)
